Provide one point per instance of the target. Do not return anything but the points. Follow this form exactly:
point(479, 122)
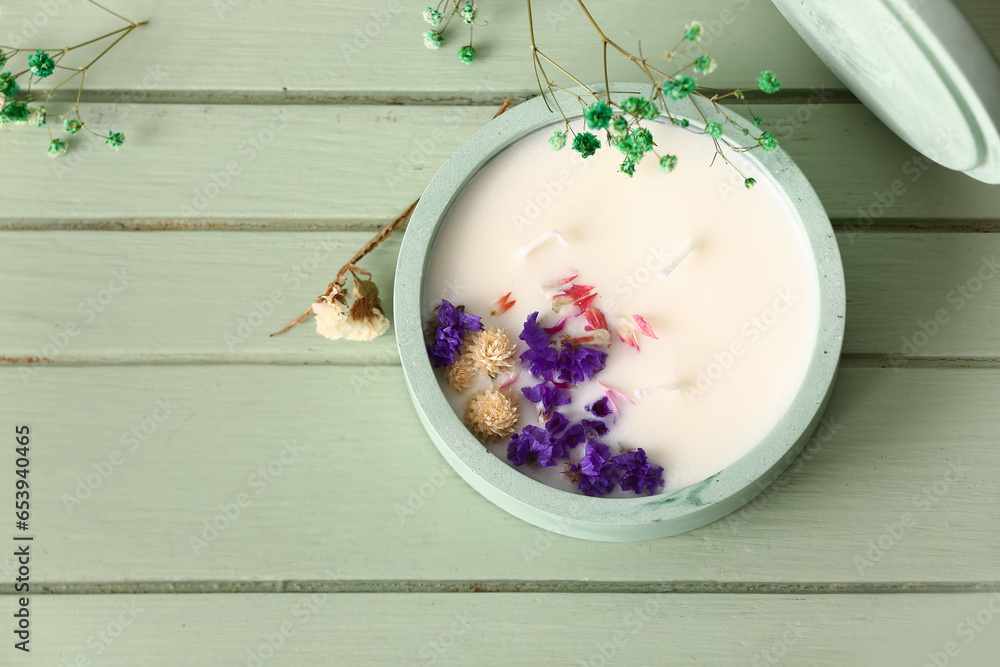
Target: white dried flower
point(492, 351)
point(462, 374)
point(366, 320)
point(491, 414)
point(331, 316)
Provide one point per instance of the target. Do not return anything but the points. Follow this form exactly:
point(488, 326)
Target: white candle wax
point(736, 317)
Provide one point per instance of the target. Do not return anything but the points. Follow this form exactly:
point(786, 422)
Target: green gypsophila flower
point(767, 141)
point(713, 129)
point(468, 13)
point(598, 115)
point(668, 162)
point(704, 64)
point(634, 105)
point(432, 16)
point(467, 54)
point(586, 144)
point(628, 165)
point(72, 125)
point(115, 140)
point(692, 31)
point(16, 112)
point(57, 147)
point(558, 140)
point(619, 125)
point(768, 82)
point(750, 182)
point(433, 39)
point(41, 64)
point(680, 87)
point(649, 111)
point(8, 84)
point(3, 58)
point(37, 116)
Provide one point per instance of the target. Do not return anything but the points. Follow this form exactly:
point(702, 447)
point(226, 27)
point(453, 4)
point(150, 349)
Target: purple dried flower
point(637, 473)
point(600, 408)
point(546, 394)
point(579, 364)
point(595, 426)
point(557, 423)
point(453, 323)
point(534, 443)
point(597, 472)
point(572, 437)
point(534, 335)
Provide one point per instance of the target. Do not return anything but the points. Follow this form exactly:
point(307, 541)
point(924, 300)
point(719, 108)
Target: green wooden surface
point(142, 362)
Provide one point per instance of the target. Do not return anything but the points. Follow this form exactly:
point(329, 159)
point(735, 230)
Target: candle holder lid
point(921, 67)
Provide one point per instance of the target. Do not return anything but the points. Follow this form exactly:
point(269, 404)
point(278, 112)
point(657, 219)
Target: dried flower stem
point(374, 242)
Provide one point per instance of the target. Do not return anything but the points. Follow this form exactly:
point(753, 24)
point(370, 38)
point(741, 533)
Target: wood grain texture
point(342, 166)
point(512, 629)
point(215, 296)
point(326, 469)
point(314, 49)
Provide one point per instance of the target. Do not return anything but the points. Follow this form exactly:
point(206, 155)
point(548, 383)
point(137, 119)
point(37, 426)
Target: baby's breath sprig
point(468, 13)
point(622, 124)
point(16, 96)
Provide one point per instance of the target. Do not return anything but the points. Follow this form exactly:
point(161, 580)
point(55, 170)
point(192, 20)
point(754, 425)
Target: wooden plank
point(316, 49)
point(341, 166)
point(512, 629)
point(134, 470)
point(215, 296)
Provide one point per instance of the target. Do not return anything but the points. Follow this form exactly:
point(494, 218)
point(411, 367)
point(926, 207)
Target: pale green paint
point(315, 527)
point(522, 629)
point(371, 496)
point(331, 166)
point(188, 291)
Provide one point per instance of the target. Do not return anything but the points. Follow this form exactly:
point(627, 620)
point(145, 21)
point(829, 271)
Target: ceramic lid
point(920, 66)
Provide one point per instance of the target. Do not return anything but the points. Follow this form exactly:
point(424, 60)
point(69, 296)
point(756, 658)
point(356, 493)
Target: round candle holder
point(613, 519)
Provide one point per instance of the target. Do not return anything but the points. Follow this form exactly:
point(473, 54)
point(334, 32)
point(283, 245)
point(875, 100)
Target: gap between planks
point(497, 586)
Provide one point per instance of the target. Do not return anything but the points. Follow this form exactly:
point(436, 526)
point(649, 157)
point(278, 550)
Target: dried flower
point(598, 116)
point(705, 64)
point(37, 116)
point(57, 147)
point(750, 182)
point(331, 315)
point(558, 140)
point(629, 326)
point(580, 363)
point(491, 414)
point(467, 54)
point(619, 126)
point(115, 140)
point(547, 395)
point(449, 336)
point(468, 13)
point(680, 87)
point(692, 31)
point(713, 129)
point(8, 84)
point(492, 351)
point(586, 144)
point(537, 444)
point(768, 82)
point(502, 305)
point(462, 374)
point(366, 319)
point(16, 112)
point(668, 163)
point(72, 125)
point(41, 64)
point(637, 473)
point(433, 39)
point(432, 16)
point(597, 473)
point(767, 141)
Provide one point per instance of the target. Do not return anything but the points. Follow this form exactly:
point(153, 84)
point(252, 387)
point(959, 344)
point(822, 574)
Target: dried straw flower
point(331, 315)
point(491, 414)
point(492, 351)
point(366, 320)
point(462, 374)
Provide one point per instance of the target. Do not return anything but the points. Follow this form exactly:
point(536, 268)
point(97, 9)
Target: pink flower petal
point(555, 328)
point(502, 305)
point(595, 319)
point(644, 326)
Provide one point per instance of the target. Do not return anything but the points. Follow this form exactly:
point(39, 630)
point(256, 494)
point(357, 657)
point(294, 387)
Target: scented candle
point(723, 274)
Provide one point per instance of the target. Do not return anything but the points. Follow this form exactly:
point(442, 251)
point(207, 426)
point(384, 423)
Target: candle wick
point(542, 238)
point(658, 389)
point(677, 259)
